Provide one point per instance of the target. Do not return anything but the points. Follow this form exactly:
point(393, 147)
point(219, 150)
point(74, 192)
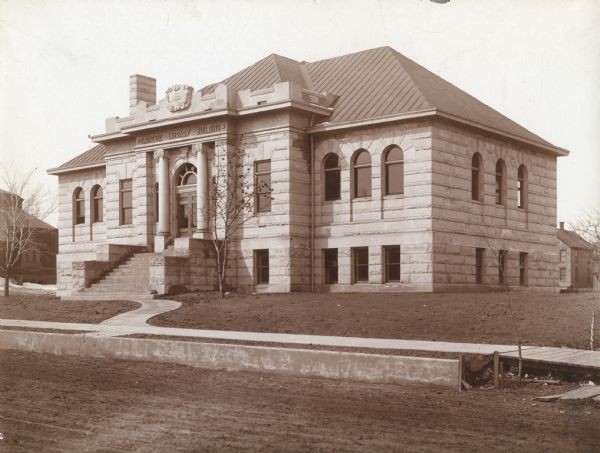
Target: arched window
point(522, 187)
point(186, 175)
point(78, 206)
point(500, 182)
point(476, 177)
point(362, 174)
point(97, 204)
point(394, 171)
point(332, 177)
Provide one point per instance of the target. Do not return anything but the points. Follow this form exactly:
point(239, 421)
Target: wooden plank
point(584, 392)
point(549, 398)
point(590, 359)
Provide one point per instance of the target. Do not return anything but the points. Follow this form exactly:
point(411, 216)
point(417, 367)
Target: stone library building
point(367, 172)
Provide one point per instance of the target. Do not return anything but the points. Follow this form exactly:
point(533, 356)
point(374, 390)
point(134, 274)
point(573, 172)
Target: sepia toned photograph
point(299, 225)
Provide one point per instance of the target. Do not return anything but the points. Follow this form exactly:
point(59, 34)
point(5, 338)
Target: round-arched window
point(362, 174)
point(394, 171)
point(78, 206)
point(332, 177)
point(186, 175)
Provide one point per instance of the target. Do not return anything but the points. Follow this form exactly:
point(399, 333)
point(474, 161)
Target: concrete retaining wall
point(302, 362)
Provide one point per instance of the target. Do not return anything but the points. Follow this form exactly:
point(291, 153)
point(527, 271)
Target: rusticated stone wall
point(460, 224)
point(380, 219)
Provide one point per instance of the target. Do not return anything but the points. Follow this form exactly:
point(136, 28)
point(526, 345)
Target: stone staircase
point(129, 280)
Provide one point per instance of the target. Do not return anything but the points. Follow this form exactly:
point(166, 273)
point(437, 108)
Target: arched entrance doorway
point(185, 196)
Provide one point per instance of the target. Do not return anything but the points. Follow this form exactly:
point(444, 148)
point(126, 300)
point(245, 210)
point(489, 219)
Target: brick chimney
point(562, 225)
point(141, 88)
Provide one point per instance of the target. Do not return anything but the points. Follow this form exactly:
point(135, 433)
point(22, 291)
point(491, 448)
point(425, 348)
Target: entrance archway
point(186, 179)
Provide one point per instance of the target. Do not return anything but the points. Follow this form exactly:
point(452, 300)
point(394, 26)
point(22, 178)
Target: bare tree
point(232, 204)
point(588, 226)
point(20, 209)
point(501, 257)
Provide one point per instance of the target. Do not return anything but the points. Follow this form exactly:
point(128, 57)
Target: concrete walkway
point(111, 329)
point(138, 317)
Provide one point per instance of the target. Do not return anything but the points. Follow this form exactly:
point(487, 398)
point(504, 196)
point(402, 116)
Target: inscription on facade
point(180, 133)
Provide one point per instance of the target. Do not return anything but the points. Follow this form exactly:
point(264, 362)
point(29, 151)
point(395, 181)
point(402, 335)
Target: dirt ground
point(60, 403)
point(543, 319)
point(45, 307)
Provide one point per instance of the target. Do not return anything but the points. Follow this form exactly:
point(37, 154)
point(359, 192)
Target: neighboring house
point(576, 268)
point(37, 265)
point(382, 177)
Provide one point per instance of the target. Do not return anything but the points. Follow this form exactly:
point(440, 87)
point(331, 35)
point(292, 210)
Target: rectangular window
point(394, 178)
point(391, 256)
point(360, 257)
point(125, 202)
point(563, 274)
point(502, 260)
point(98, 209)
point(523, 257)
point(479, 254)
point(362, 182)
point(330, 265)
point(563, 255)
point(79, 211)
point(262, 185)
point(261, 266)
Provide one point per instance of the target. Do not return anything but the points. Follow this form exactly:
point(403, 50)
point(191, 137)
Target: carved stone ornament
point(179, 97)
point(159, 154)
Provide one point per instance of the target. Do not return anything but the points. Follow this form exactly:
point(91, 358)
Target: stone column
point(202, 192)
point(160, 240)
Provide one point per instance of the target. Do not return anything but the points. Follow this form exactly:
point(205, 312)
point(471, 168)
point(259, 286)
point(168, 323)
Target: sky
point(65, 65)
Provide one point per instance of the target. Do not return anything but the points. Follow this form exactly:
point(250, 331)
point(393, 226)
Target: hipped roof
point(371, 84)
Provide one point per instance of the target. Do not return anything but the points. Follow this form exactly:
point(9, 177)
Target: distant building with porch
point(378, 176)
point(576, 267)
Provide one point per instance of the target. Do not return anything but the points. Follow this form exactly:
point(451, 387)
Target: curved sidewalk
point(138, 317)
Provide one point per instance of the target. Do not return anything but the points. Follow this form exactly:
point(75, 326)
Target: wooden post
point(461, 368)
point(496, 368)
point(592, 331)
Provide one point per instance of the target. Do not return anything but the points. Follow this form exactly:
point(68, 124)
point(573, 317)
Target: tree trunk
point(6, 284)
point(220, 277)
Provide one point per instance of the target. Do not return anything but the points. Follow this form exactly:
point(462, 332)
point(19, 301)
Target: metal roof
point(573, 240)
point(90, 157)
point(376, 83)
point(371, 84)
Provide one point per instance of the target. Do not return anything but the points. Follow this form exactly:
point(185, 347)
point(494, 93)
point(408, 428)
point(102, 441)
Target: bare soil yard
point(543, 319)
point(59, 403)
point(45, 307)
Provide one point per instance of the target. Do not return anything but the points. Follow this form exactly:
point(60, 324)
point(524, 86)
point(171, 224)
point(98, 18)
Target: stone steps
point(130, 279)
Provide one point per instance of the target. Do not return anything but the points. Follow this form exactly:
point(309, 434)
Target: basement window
point(391, 255)
point(330, 264)
point(261, 266)
point(360, 261)
point(479, 254)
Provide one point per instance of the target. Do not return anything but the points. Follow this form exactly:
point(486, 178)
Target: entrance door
point(186, 213)
point(185, 190)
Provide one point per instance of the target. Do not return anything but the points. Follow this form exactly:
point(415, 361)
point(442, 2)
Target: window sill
point(332, 201)
point(477, 201)
point(393, 196)
point(362, 198)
